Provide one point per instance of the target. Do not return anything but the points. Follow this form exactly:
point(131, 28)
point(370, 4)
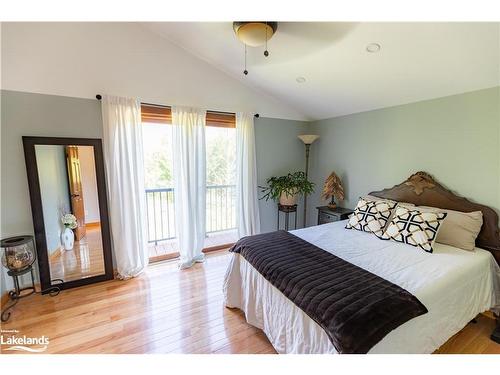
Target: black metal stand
point(287, 210)
point(495, 336)
point(18, 292)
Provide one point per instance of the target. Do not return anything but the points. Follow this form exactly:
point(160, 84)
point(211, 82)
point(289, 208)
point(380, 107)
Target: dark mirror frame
point(29, 144)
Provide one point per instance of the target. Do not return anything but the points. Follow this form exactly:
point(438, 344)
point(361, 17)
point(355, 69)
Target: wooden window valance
point(156, 114)
point(163, 115)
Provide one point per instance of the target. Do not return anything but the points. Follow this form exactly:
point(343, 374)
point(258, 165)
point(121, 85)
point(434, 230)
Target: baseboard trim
point(489, 314)
point(56, 253)
point(171, 256)
point(218, 247)
point(160, 258)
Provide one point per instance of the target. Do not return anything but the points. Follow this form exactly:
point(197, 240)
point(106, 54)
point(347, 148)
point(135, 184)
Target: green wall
point(454, 138)
point(35, 115)
point(279, 151)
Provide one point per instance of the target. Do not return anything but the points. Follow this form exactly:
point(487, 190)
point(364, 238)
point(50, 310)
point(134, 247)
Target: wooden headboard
point(422, 190)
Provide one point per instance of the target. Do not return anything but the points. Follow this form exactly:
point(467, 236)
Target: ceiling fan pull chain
point(266, 52)
point(245, 72)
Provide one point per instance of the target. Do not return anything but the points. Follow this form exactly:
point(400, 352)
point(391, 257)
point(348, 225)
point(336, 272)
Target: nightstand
point(328, 215)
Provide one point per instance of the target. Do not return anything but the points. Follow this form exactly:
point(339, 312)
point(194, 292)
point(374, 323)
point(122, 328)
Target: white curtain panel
point(125, 181)
point(189, 182)
point(248, 220)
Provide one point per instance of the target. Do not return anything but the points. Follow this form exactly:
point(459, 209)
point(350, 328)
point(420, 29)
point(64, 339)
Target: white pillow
point(371, 216)
point(459, 229)
point(414, 227)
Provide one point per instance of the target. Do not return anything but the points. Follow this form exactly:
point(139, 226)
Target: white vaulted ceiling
point(125, 59)
point(417, 61)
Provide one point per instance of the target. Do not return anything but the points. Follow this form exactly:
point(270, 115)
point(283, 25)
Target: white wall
point(89, 184)
point(126, 59)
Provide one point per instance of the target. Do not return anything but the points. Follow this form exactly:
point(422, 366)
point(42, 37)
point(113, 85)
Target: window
point(220, 172)
point(159, 188)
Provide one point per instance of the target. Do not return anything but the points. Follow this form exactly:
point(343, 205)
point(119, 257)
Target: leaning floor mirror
point(69, 207)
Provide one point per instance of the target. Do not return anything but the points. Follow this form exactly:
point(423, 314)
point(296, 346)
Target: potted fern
point(286, 189)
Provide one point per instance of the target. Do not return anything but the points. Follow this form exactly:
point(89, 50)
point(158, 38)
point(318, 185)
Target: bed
point(454, 285)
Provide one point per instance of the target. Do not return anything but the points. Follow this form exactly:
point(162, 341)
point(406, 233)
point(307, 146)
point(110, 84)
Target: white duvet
point(455, 285)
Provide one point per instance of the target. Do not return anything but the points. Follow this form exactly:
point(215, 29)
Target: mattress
point(455, 285)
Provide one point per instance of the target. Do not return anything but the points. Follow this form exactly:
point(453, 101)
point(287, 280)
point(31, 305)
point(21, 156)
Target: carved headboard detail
point(422, 189)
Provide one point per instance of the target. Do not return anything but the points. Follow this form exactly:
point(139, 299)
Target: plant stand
point(18, 292)
point(287, 210)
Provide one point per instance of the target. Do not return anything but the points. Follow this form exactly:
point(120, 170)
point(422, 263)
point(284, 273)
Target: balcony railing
point(220, 216)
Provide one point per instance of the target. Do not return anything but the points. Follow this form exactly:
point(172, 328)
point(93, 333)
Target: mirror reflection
point(68, 188)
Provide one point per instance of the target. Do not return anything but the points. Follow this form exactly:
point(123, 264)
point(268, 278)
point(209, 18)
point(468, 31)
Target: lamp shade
point(308, 138)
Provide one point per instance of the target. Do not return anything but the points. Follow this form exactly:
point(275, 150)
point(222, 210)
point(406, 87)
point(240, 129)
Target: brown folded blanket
point(356, 308)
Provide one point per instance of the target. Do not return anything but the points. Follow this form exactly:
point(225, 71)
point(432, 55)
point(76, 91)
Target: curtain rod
point(99, 97)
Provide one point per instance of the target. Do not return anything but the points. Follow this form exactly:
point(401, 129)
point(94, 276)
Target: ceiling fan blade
point(317, 32)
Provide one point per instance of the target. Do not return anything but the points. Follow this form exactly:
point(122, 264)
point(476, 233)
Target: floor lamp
point(308, 140)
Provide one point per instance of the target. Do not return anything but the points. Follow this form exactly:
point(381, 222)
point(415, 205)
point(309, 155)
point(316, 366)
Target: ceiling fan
point(254, 34)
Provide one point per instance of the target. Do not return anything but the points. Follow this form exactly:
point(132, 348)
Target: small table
point(329, 215)
point(287, 210)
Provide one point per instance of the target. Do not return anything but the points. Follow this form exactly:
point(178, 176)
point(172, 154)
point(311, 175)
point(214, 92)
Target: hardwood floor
point(167, 311)
point(86, 259)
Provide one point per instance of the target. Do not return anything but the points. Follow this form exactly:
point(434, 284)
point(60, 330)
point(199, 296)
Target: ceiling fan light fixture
point(254, 33)
point(300, 79)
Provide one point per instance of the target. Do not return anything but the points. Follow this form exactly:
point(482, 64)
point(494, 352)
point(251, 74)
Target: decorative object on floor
point(19, 253)
point(333, 189)
point(329, 215)
point(67, 235)
point(286, 189)
point(308, 140)
point(254, 34)
point(18, 257)
point(287, 210)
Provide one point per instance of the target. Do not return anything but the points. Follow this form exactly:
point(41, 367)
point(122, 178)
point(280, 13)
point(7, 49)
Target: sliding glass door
point(220, 190)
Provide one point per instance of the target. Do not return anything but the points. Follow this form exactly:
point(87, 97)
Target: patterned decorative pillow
point(414, 227)
point(371, 216)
